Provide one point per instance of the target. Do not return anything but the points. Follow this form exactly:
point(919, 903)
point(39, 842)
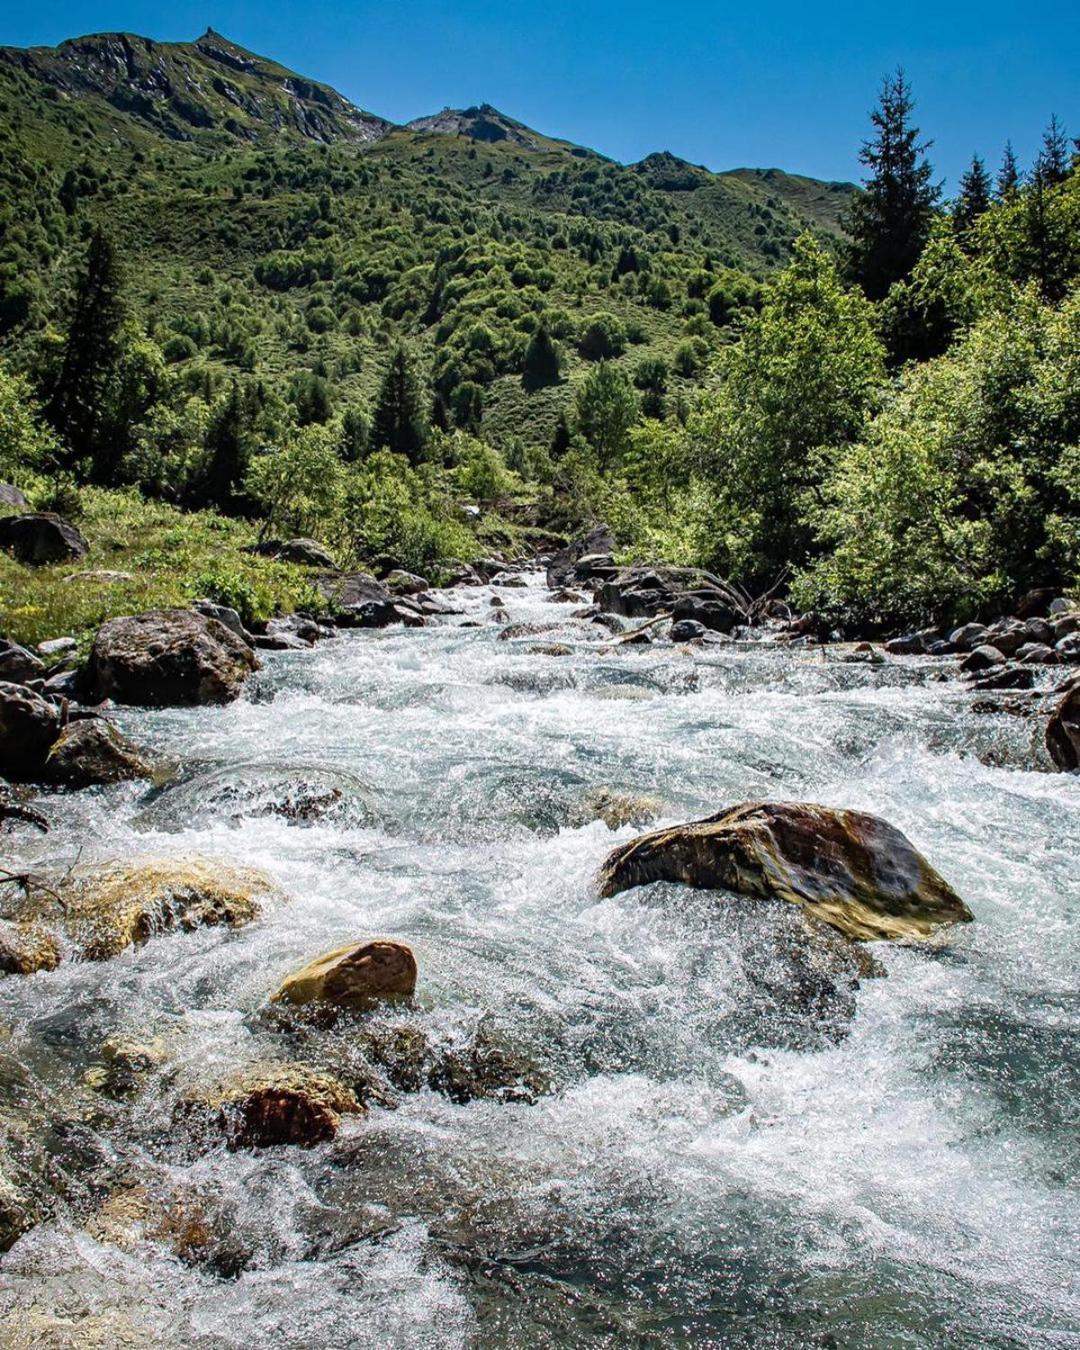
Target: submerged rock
point(40, 537)
point(103, 910)
point(484, 1067)
point(26, 948)
point(616, 808)
point(353, 978)
point(168, 657)
point(126, 1066)
point(92, 752)
point(849, 869)
point(274, 1104)
point(1063, 731)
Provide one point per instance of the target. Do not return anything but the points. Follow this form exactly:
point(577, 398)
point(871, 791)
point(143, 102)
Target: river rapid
point(708, 1170)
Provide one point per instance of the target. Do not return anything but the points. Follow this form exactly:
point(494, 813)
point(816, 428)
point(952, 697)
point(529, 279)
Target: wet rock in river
point(616, 808)
point(105, 909)
point(40, 537)
point(92, 752)
point(849, 869)
point(168, 657)
point(561, 568)
point(484, 1067)
point(126, 1066)
point(352, 978)
point(26, 948)
point(1063, 731)
point(982, 658)
point(270, 1105)
point(1005, 677)
point(29, 725)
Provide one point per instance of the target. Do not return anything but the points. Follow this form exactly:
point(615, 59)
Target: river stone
point(1063, 731)
point(168, 657)
point(1036, 654)
point(105, 909)
point(982, 658)
point(29, 725)
point(126, 1065)
point(399, 582)
point(26, 948)
point(616, 808)
point(484, 1067)
point(355, 977)
point(18, 664)
point(560, 569)
point(274, 1104)
point(968, 637)
point(849, 869)
point(40, 537)
point(91, 752)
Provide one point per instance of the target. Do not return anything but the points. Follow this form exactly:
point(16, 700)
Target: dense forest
point(270, 314)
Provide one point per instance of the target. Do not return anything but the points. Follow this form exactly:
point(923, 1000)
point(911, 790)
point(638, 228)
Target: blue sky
point(755, 84)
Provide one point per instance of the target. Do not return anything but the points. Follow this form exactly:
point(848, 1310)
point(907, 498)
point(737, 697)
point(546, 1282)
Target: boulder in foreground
point(168, 657)
point(1063, 731)
point(848, 869)
point(29, 724)
point(353, 978)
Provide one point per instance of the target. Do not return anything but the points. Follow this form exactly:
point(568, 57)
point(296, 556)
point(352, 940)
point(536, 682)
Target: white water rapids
point(699, 1176)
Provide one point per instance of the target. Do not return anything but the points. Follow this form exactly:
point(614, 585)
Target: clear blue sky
point(778, 83)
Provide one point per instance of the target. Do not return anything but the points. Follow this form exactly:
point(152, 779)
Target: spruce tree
point(1008, 179)
point(1053, 162)
point(91, 350)
point(399, 422)
point(541, 365)
point(973, 198)
point(889, 221)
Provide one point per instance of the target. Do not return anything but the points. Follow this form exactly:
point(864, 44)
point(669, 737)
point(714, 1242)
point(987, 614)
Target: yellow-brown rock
point(848, 869)
point(354, 978)
point(268, 1105)
point(26, 948)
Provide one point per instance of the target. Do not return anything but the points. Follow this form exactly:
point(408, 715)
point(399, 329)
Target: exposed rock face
point(308, 552)
point(561, 568)
point(845, 868)
point(103, 910)
point(92, 752)
point(37, 538)
point(168, 657)
point(400, 582)
point(29, 725)
point(353, 978)
point(18, 664)
point(11, 496)
point(26, 948)
point(274, 1104)
point(1063, 731)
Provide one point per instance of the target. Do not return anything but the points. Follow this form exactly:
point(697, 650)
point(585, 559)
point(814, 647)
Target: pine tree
point(1053, 161)
point(229, 444)
point(561, 438)
point(399, 423)
point(541, 365)
point(1008, 179)
point(974, 195)
point(890, 219)
point(91, 350)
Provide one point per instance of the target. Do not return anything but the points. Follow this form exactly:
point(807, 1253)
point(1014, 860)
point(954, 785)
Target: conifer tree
point(91, 350)
point(974, 195)
point(1008, 179)
point(890, 219)
point(399, 422)
point(541, 365)
point(1053, 161)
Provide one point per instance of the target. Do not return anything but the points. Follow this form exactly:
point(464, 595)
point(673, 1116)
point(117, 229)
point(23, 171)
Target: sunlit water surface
point(693, 1179)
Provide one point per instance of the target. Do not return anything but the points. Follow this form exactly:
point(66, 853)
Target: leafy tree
point(974, 197)
point(399, 424)
point(91, 349)
point(27, 447)
point(889, 221)
point(920, 317)
point(798, 384)
point(603, 337)
point(651, 378)
point(606, 410)
point(298, 486)
point(542, 362)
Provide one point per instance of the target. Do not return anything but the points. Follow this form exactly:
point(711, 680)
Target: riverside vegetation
point(274, 370)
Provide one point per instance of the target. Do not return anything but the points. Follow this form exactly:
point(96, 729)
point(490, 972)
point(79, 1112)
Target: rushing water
point(705, 1171)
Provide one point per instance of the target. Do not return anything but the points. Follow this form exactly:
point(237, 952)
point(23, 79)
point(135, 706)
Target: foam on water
point(698, 1176)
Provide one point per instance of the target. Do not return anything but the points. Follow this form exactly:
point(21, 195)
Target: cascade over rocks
point(168, 657)
point(102, 910)
point(848, 869)
point(353, 978)
point(40, 537)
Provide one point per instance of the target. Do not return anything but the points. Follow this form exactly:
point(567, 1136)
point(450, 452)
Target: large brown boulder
point(39, 537)
point(353, 978)
point(104, 909)
point(29, 725)
point(269, 1105)
point(1063, 731)
point(168, 657)
point(92, 752)
point(848, 869)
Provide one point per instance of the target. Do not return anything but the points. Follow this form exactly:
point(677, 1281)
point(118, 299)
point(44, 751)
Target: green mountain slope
point(270, 228)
